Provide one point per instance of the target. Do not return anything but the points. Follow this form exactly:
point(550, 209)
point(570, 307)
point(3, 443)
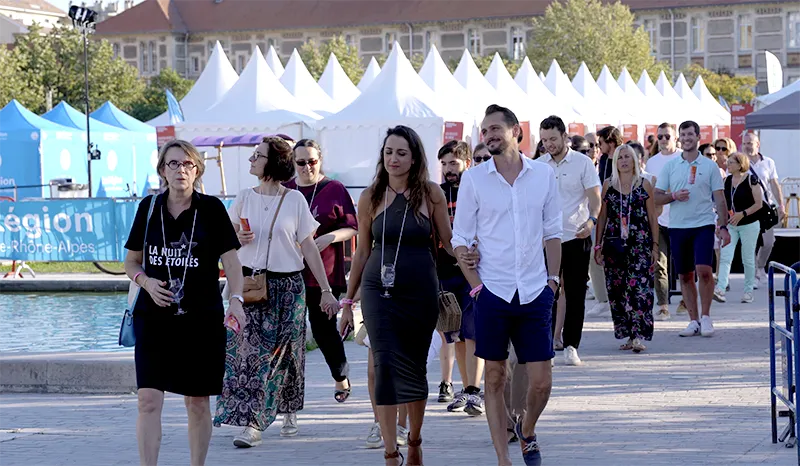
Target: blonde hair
point(728, 143)
point(190, 150)
point(637, 173)
point(742, 160)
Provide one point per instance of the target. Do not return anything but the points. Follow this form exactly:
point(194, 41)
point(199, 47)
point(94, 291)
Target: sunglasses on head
point(664, 136)
point(722, 149)
point(479, 159)
point(311, 162)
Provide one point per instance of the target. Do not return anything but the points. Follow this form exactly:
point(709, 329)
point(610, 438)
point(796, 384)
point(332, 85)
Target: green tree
point(734, 89)
point(315, 57)
point(153, 101)
point(53, 64)
point(591, 31)
point(13, 84)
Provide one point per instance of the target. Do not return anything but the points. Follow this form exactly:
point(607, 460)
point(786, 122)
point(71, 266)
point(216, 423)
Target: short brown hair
point(742, 160)
point(190, 150)
point(666, 125)
point(459, 149)
point(611, 134)
point(280, 160)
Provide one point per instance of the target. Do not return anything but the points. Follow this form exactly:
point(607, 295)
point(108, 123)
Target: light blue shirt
point(698, 211)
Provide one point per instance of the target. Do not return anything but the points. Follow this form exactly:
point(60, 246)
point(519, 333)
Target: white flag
point(774, 73)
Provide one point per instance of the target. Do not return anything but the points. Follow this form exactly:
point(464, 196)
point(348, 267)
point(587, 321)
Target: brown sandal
point(414, 444)
point(396, 454)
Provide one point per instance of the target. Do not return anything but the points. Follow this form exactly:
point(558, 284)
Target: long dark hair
point(417, 175)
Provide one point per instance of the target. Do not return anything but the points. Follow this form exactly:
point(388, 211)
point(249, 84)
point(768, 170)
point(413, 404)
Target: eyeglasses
point(309, 162)
point(721, 149)
point(592, 145)
point(666, 137)
point(188, 165)
point(710, 154)
point(479, 159)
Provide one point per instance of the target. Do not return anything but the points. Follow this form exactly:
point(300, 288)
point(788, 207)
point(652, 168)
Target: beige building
point(17, 15)
point(717, 34)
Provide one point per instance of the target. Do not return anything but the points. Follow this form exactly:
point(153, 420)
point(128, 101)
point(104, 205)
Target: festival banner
point(738, 112)
point(706, 134)
point(630, 132)
point(650, 129)
point(453, 131)
point(164, 134)
point(723, 132)
point(526, 145)
point(600, 126)
point(577, 128)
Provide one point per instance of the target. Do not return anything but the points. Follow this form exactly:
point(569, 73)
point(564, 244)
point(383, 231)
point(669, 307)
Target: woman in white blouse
point(264, 371)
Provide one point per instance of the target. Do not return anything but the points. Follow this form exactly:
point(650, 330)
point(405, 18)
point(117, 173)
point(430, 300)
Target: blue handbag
point(127, 335)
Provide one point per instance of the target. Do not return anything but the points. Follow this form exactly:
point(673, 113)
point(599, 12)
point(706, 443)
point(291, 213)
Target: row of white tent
point(350, 121)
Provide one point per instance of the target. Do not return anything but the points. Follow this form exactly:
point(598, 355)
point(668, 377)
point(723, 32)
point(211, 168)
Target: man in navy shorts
point(511, 205)
point(692, 186)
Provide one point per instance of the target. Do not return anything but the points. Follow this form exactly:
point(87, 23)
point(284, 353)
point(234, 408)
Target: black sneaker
point(446, 392)
point(474, 405)
point(459, 402)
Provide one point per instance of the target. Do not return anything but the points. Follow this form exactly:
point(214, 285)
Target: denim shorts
point(691, 247)
point(526, 326)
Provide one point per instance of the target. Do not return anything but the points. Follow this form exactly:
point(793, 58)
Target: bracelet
point(137, 276)
point(327, 290)
point(598, 247)
point(346, 301)
point(475, 290)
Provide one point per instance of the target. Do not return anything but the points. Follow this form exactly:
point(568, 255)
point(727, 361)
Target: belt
point(248, 272)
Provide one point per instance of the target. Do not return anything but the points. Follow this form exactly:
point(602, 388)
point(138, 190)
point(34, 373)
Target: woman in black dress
point(178, 319)
point(397, 276)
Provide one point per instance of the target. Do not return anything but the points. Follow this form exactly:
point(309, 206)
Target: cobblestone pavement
point(685, 401)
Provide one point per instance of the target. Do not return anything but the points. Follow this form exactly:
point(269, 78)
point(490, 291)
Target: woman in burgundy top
point(332, 206)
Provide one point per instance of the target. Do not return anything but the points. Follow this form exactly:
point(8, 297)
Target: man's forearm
point(663, 198)
point(553, 249)
point(470, 274)
point(777, 192)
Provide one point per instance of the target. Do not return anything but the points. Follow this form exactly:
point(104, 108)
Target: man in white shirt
point(668, 151)
point(764, 167)
point(579, 188)
point(513, 289)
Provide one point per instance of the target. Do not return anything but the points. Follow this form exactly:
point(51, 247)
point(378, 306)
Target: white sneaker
point(662, 314)
point(374, 439)
point(747, 298)
point(706, 326)
point(571, 357)
point(599, 310)
point(719, 295)
point(402, 436)
point(289, 428)
point(248, 438)
point(692, 330)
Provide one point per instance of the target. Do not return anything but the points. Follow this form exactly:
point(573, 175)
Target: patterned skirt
point(265, 362)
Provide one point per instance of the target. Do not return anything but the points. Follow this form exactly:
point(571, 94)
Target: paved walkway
point(684, 401)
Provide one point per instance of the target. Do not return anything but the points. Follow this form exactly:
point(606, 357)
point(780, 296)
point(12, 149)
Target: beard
point(501, 147)
point(452, 178)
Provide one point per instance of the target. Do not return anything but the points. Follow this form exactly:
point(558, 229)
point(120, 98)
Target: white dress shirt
point(510, 223)
point(575, 174)
point(766, 171)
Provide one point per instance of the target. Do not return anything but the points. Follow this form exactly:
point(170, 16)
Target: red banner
point(577, 128)
point(723, 132)
point(738, 112)
point(630, 132)
point(526, 144)
point(706, 134)
point(453, 131)
point(164, 134)
point(650, 129)
point(600, 126)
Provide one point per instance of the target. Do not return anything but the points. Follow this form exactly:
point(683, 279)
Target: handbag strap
point(144, 242)
point(272, 226)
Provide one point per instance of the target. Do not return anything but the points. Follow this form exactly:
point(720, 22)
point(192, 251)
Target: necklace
point(313, 194)
point(262, 224)
point(389, 272)
point(176, 286)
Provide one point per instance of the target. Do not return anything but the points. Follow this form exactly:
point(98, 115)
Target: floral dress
point(627, 268)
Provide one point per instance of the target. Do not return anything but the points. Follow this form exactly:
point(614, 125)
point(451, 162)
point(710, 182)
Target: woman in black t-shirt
point(178, 319)
point(744, 199)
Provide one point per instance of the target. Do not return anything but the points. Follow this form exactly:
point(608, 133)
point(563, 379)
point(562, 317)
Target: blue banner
point(67, 230)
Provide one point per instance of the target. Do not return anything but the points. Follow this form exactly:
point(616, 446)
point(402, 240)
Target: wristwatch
point(593, 219)
point(239, 297)
point(555, 278)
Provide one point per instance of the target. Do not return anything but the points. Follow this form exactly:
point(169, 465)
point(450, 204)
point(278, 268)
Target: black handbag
point(768, 214)
point(127, 335)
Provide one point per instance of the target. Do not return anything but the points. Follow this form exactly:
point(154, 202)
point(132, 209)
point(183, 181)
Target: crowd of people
point(515, 240)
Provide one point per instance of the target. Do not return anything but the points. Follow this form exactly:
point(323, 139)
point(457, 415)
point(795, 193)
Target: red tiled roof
point(199, 16)
point(35, 5)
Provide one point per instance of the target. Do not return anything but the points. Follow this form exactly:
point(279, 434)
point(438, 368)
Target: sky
point(64, 4)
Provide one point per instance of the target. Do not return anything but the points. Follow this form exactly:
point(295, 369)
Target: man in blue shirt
point(692, 186)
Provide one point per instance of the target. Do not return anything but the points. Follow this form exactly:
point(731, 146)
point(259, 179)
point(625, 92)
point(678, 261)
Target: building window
point(241, 62)
point(195, 65)
point(428, 41)
point(153, 57)
point(794, 29)
point(115, 48)
point(474, 41)
point(745, 32)
point(348, 40)
point(388, 44)
point(517, 43)
point(143, 62)
point(649, 26)
point(698, 36)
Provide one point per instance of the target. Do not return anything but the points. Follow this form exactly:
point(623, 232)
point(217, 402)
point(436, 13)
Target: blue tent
point(26, 142)
point(145, 146)
point(114, 171)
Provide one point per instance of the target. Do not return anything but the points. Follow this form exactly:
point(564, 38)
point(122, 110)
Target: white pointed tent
point(481, 93)
point(372, 71)
point(561, 87)
point(542, 77)
point(657, 103)
point(438, 77)
point(335, 82)
point(532, 84)
point(217, 78)
point(398, 96)
point(299, 82)
point(525, 107)
point(257, 103)
point(595, 99)
point(632, 103)
point(702, 114)
point(274, 62)
point(707, 99)
point(765, 100)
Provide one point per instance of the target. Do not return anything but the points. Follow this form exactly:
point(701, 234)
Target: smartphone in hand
point(347, 332)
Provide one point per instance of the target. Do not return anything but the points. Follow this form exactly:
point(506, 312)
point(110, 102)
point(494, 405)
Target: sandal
point(414, 444)
point(513, 437)
point(638, 347)
point(342, 395)
point(396, 454)
point(627, 346)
